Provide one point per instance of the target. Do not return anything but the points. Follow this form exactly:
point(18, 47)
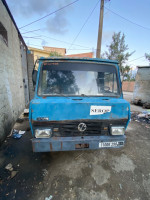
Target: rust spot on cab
point(81, 146)
point(51, 147)
point(56, 138)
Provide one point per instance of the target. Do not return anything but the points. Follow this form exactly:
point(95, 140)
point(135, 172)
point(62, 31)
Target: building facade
point(14, 95)
point(45, 52)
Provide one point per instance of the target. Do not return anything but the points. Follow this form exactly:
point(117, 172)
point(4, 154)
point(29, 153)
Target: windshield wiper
point(84, 95)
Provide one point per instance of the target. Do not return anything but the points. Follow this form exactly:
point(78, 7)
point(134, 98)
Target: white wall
point(142, 85)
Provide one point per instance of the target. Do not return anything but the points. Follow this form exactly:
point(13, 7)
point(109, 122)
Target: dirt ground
point(105, 174)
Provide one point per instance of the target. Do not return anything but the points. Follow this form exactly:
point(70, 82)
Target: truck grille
point(70, 127)
point(92, 128)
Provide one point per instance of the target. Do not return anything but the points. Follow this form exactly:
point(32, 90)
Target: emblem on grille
point(82, 127)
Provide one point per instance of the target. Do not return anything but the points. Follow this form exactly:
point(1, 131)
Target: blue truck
point(78, 105)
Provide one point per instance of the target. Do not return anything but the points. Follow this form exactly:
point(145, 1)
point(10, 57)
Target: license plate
point(111, 144)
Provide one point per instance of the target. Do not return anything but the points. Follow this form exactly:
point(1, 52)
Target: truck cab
point(78, 105)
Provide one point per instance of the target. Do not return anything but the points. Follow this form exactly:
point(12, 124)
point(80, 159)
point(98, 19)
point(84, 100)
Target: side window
point(3, 34)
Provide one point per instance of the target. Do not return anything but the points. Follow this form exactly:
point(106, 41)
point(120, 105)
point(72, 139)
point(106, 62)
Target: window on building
point(3, 34)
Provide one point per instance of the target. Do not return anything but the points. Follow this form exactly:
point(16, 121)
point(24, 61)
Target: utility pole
point(99, 40)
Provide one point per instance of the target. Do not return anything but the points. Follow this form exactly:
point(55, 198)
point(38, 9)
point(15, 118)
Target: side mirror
point(34, 77)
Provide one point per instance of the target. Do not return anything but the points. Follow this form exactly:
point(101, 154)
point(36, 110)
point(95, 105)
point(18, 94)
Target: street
point(106, 174)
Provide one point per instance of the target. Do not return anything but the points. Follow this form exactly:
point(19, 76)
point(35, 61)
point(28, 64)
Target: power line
point(34, 38)
point(63, 41)
point(127, 19)
point(49, 14)
point(56, 47)
point(136, 58)
point(31, 31)
point(54, 39)
point(83, 25)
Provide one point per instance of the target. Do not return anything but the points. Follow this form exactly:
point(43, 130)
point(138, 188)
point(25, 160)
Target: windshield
point(77, 79)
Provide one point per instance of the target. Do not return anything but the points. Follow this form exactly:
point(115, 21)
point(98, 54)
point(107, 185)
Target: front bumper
point(74, 143)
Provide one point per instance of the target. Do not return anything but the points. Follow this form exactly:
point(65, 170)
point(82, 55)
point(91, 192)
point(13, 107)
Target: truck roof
point(79, 59)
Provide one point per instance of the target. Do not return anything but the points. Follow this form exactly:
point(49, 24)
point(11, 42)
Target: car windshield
point(77, 79)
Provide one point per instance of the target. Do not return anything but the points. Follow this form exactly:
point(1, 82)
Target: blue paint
point(63, 108)
point(75, 108)
point(68, 143)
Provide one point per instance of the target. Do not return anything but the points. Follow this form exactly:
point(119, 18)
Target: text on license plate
point(111, 144)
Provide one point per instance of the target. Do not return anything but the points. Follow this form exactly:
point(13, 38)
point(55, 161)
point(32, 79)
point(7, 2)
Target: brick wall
point(82, 55)
point(12, 100)
point(128, 86)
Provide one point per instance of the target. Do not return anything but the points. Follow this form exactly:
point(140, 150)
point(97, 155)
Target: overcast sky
point(61, 28)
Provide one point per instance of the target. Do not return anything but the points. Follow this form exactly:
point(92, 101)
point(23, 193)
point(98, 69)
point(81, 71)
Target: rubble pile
point(141, 117)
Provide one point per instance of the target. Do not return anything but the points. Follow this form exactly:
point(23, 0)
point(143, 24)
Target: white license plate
point(111, 144)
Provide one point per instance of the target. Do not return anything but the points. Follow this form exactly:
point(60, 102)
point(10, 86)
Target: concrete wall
point(30, 69)
point(25, 73)
point(142, 85)
point(12, 100)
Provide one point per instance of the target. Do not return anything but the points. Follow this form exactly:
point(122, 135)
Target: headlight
point(116, 130)
point(43, 133)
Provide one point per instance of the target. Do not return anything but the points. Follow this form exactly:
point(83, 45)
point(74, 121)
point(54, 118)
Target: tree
point(55, 54)
point(125, 72)
point(147, 56)
point(118, 50)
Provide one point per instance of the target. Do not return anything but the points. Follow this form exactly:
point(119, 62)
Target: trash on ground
point(13, 174)
point(21, 132)
point(16, 136)
point(15, 131)
point(26, 112)
point(141, 115)
point(49, 198)
point(9, 167)
point(147, 112)
point(144, 116)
